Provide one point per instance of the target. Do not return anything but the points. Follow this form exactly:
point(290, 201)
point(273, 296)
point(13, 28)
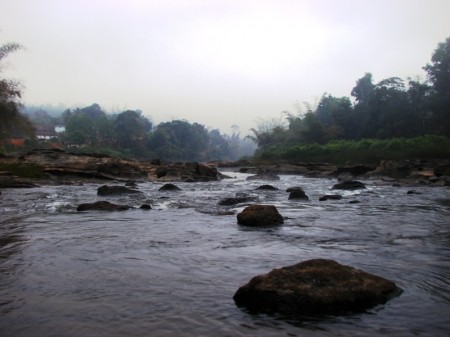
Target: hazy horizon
point(217, 62)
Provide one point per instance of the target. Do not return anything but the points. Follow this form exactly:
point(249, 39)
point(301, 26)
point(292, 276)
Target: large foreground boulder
point(260, 215)
point(315, 287)
point(102, 206)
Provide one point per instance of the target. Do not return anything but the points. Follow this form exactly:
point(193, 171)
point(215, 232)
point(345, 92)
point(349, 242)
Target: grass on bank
point(369, 151)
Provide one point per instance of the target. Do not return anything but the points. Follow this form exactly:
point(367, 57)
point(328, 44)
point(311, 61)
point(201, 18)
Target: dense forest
point(393, 118)
point(380, 121)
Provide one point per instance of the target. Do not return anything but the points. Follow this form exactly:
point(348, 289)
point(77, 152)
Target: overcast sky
point(214, 62)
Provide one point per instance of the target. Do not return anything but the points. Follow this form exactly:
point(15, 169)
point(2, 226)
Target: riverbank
point(55, 166)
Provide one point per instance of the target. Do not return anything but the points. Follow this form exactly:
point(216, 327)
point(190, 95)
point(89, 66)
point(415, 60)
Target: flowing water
point(173, 270)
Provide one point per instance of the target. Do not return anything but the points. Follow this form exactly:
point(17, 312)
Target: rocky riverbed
point(61, 167)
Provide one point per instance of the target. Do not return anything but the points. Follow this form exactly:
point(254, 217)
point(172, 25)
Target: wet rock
point(260, 215)
point(145, 206)
point(267, 188)
point(102, 206)
point(169, 187)
point(354, 202)
point(187, 172)
point(297, 193)
point(236, 200)
point(349, 185)
point(413, 192)
point(131, 184)
point(315, 287)
point(330, 197)
point(115, 190)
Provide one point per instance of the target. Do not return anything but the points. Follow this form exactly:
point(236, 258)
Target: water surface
point(173, 270)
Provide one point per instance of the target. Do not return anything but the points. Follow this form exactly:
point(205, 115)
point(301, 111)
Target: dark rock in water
point(267, 188)
point(331, 197)
point(188, 172)
point(315, 287)
point(131, 184)
point(413, 192)
point(169, 187)
point(297, 194)
point(115, 190)
point(235, 200)
point(349, 185)
point(102, 206)
point(145, 206)
point(354, 202)
point(293, 188)
point(260, 215)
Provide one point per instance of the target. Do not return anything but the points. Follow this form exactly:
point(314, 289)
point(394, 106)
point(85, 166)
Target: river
point(173, 270)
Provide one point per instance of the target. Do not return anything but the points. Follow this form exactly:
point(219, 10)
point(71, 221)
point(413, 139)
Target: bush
point(362, 151)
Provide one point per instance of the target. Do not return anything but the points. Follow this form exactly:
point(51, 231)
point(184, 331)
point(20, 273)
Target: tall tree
point(130, 131)
point(439, 76)
point(12, 122)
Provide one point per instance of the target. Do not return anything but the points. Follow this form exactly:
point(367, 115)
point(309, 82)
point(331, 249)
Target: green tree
point(179, 140)
point(130, 131)
point(12, 122)
point(419, 99)
point(92, 123)
point(363, 92)
point(439, 76)
point(336, 115)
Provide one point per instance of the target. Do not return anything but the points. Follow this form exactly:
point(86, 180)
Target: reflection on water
point(173, 270)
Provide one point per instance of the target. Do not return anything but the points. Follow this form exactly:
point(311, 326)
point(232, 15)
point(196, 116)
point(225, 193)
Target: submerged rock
point(169, 187)
point(267, 188)
point(315, 287)
point(349, 185)
point(115, 190)
point(102, 206)
point(260, 215)
point(330, 197)
point(236, 200)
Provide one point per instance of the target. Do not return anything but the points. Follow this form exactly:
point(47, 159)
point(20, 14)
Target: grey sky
point(215, 62)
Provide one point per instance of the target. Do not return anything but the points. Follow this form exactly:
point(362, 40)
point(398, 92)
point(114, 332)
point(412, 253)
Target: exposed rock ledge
point(60, 165)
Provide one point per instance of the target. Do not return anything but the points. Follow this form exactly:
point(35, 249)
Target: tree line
point(131, 134)
point(391, 108)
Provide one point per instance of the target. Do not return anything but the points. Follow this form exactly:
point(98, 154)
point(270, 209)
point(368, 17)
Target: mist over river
point(173, 270)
